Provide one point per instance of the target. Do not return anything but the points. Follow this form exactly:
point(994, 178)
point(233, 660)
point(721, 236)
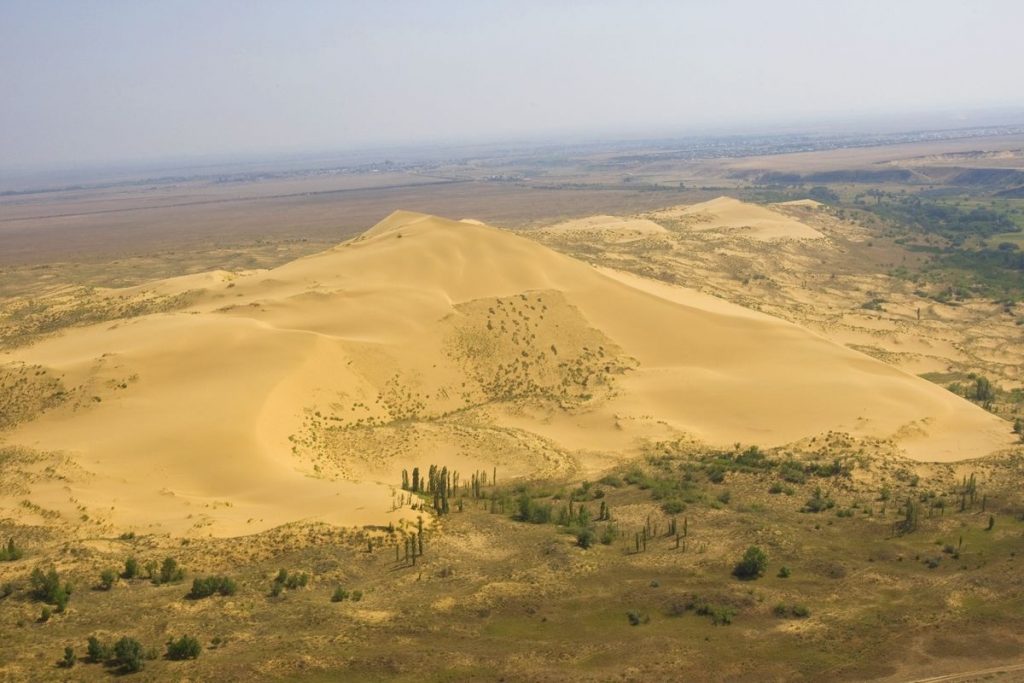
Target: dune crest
point(732, 216)
point(303, 391)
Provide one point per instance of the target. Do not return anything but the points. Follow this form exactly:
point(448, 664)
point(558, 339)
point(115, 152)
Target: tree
point(131, 568)
point(752, 565)
point(97, 650)
point(170, 571)
point(983, 390)
point(46, 587)
point(128, 654)
point(185, 647)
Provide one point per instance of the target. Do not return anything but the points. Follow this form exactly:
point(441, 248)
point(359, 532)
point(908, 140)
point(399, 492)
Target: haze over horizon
point(98, 82)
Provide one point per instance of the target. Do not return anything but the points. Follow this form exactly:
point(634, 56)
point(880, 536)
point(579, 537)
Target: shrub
point(107, 579)
point(818, 502)
point(69, 658)
point(46, 587)
point(297, 581)
point(128, 654)
point(185, 647)
point(724, 497)
point(339, 595)
point(752, 565)
point(719, 615)
point(204, 587)
point(608, 534)
point(783, 572)
point(673, 507)
point(11, 552)
point(784, 611)
point(637, 618)
point(775, 488)
point(792, 472)
point(131, 568)
point(585, 538)
point(97, 651)
point(44, 616)
point(357, 596)
point(170, 571)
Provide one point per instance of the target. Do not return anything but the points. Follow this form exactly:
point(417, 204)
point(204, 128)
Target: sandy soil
point(290, 393)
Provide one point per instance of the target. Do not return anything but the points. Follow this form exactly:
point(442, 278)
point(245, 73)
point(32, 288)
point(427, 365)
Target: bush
point(44, 616)
point(131, 568)
point(97, 651)
point(720, 615)
point(357, 596)
point(783, 572)
point(206, 586)
point(11, 552)
point(724, 497)
point(185, 647)
point(339, 595)
point(128, 654)
point(170, 571)
point(784, 611)
point(637, 618)
point(752, 565)
point(608, 534)
point(673, 507)
point(818, 502)
point(585, 538)
point(46, 587)
point(107, 579)
point(69, 658)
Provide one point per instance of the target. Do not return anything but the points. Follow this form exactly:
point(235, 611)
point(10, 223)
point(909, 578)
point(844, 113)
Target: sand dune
point(730, 215)
point(288, 394)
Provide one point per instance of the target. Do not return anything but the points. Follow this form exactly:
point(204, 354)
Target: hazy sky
point(84, 82)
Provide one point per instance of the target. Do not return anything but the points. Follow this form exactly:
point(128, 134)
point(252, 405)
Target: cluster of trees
point(204, 587)
point(127, 654)
point(442, 483)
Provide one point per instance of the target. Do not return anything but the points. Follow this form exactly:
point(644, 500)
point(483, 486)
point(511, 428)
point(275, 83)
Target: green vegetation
point(131, 568)
point(108, 577)
point(11, 552)
point(185, 647)
point(206, 586)
point(170, 572)
point(69, 658)
point(752, 565)
point(46, 587)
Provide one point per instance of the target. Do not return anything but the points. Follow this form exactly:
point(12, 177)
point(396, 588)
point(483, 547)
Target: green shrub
point(339, 595)
point(69, 658)
point(131, 568)
point(752, 565)
point(46, 587)
point(11, 552)
point(107, 579)
point(673, 507)
point(357, 596)
point(204, 587)
point(128, 654)
point(170, 571)
point(783, 572)
point(720, 615)
point(185, 647)
point(97, 650)
point(585, 538)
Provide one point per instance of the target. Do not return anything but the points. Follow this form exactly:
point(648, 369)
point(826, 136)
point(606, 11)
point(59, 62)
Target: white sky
point(88, 82)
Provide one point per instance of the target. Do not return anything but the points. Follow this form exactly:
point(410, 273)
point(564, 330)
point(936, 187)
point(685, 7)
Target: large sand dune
point(301, 392)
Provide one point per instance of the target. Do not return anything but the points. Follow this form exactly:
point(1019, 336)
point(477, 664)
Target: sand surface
point(303, 391)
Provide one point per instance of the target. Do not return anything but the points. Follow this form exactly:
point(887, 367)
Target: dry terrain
point(634, 385)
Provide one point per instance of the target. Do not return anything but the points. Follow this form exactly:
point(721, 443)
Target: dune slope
point(301, 392)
